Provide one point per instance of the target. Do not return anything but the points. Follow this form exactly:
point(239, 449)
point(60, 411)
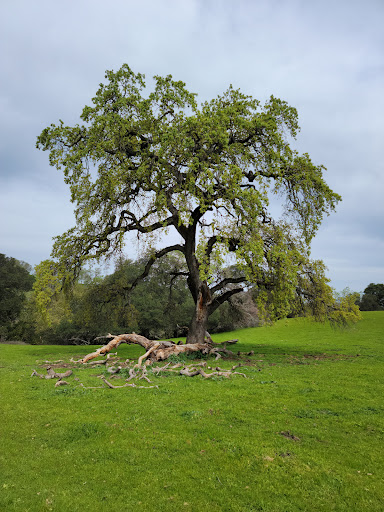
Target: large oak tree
point(151, 163)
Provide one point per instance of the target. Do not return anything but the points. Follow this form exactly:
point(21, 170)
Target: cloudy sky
point(325, 57)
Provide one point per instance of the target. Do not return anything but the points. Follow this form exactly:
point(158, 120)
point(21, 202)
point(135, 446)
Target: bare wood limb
point(126, 385)
point(192, 372)
point(115, 342)
point(51, 374)
point(77, 360)
point(143, 357)
point(189, 373)
point(61, 383)
point(34, 373)
point(207, 338)
point(132, 374)
point(113, 371)
point(159, 350)
point(64, 375)
point(94, 363)
point(145, 378)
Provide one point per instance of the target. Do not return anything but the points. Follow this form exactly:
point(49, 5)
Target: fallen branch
point(113, 371)
point(126, 385)
point(143, 357)
point(132, 374)
point(192, 372)
point(159, 350)
point(63, 375)
point(51, 374)
point(154, 351)
point(115, 342)
point(61, 383)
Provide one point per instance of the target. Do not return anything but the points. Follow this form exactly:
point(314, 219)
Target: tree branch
point(136, 223)
point(227, 280)
point(157, 255)
point(232, 243)
point(218, 301)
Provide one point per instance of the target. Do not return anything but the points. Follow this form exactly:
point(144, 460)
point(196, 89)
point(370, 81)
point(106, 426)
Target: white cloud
point(323, 57)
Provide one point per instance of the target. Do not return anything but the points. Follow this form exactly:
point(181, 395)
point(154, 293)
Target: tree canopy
point(151, 163)
point(373, 298)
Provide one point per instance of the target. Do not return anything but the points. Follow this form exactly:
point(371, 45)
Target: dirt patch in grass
point(288, 435)
point(308, 358)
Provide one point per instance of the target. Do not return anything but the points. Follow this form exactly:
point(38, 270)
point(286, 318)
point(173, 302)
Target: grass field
point(303, 432)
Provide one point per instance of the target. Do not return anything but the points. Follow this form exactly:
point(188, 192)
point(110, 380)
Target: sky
point(324, 57)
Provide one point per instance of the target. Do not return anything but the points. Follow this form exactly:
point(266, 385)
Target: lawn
point(303, 432)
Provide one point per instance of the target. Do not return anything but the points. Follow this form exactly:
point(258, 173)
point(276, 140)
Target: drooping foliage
point(149, 163)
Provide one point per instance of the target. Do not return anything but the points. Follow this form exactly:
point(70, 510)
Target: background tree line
point(34, 307)
point(37, 309)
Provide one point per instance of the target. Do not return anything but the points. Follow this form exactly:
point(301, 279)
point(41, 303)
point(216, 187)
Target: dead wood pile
point(146, 367)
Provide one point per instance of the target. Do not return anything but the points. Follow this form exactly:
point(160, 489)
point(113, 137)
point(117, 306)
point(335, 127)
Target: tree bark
point(199, 323)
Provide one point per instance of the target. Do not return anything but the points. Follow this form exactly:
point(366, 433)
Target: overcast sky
point(325, 57)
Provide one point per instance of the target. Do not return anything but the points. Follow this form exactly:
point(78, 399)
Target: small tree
point(149, 164)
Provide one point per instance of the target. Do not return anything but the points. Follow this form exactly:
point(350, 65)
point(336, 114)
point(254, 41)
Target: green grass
point(304, 431)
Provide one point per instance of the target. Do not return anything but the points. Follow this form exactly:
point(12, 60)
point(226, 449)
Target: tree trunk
point(198, 326)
